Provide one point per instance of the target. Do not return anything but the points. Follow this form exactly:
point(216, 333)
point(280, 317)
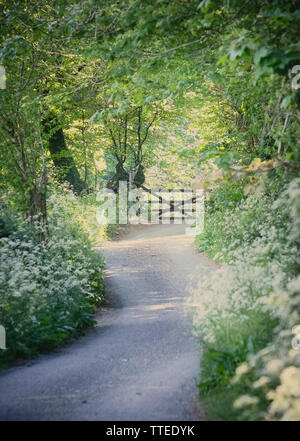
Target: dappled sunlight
point(118, 114)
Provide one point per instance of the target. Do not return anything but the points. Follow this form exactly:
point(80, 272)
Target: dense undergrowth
point(173, 86)
point(49, 288)
point(247, 308)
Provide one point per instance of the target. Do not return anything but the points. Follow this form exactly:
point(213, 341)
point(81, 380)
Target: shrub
point(246, 308)
point(48, 289)
point(273, 374)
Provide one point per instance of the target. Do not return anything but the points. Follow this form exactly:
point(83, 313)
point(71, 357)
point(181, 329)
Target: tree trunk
point(139, 178)
point(63, 159)
point(37, 209)
point(120, 175)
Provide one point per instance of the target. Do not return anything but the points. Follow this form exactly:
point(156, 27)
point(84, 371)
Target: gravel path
point(140, 362)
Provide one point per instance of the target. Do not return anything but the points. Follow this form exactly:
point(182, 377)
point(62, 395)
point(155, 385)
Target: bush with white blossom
point(246, 309)
point(48, 289)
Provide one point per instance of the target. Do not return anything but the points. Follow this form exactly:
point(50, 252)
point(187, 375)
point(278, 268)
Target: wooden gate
point(172, 206)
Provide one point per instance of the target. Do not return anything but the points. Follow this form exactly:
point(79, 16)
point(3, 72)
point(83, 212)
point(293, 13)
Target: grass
point(235, 317)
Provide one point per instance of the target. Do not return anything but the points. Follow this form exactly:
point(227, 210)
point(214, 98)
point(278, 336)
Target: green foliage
point(233, 344)
point(254, 237)
point(49, 290)
point(174, 91)
point(227, 195)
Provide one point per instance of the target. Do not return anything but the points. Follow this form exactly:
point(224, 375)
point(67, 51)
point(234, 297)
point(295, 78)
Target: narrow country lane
point(140, 362)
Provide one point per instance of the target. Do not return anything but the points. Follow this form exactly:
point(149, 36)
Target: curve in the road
point(140, 362)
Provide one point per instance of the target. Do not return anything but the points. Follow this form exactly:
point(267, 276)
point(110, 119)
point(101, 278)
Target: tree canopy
point(161, 94)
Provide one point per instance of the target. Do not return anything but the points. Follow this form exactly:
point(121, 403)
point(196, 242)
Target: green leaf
point(286, 101)
point(250, 346)
point(260, 53)
point(204, 384)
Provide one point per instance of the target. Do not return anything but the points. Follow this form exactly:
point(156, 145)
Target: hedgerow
point(247, 308)
point(48, 288)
